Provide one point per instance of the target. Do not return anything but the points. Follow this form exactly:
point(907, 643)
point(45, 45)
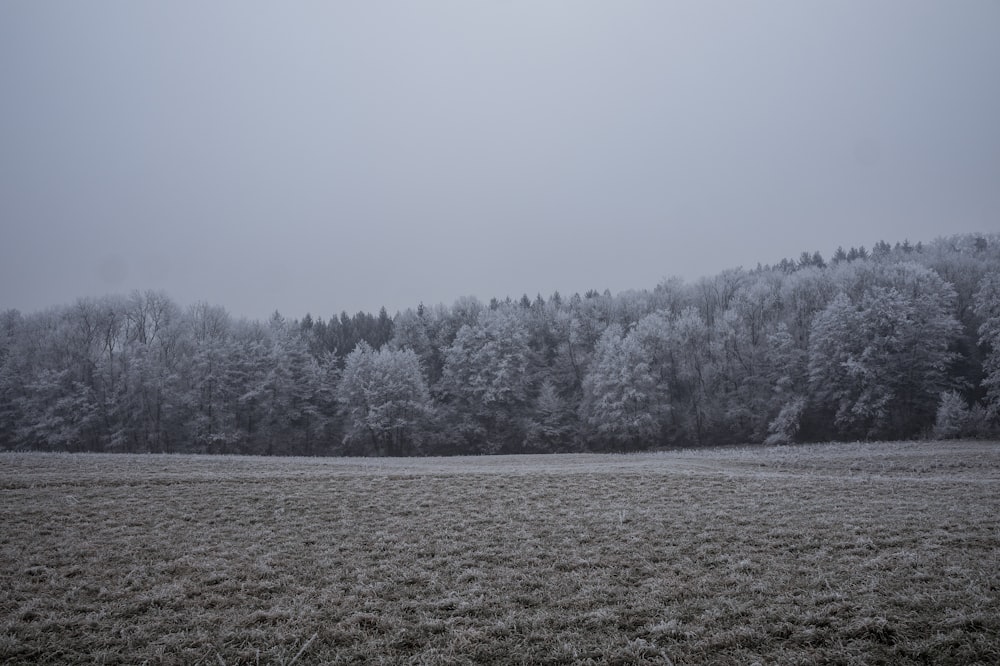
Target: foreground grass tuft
point(851, 554)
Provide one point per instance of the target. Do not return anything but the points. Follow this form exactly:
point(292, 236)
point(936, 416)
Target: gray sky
point(327, 156)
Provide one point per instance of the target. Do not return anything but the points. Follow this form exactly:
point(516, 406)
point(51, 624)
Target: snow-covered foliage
point(987, 307)
point(956, 419)
point(880, 352)
point(386, 401)
point(862, 347)
point(623, 401)
point(485, 382)
point(784, 428)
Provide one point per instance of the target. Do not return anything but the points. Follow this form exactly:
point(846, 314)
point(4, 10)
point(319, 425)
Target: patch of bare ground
point(848, 553)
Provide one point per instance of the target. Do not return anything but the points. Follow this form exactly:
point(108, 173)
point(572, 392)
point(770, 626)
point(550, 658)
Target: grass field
point(846, 553)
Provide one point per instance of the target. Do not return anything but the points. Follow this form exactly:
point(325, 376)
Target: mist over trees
point(898, 341)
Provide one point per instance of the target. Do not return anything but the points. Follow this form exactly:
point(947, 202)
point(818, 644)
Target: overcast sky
point(326, 156)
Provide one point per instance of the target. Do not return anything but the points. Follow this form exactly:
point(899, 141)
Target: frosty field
point(845, 553)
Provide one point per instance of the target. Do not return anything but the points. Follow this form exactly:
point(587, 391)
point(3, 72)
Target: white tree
point(745, 388)
point(207, 397)
point(623, 403)
point(784, 427)
point(880, 358)
point(787, 374)
point(987, 308)
point(485, 382)
point(551, 425)
point(11, 388)
point(385, 398)
point(693, 372)
point(805, 293)
point(59, 414)
point(410, 332)
point(294, 396)
point(953, 417)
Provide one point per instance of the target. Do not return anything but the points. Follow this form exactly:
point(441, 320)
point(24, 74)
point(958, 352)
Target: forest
point(893, 342)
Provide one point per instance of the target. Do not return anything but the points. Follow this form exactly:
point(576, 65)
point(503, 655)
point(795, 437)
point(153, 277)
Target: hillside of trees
point(899, 341)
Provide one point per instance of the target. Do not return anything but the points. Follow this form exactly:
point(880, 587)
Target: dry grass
point(851, 554)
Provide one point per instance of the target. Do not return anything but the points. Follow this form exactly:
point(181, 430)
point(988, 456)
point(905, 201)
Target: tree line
point(898, 341)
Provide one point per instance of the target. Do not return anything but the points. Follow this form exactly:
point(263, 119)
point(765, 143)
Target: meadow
point(838, 553)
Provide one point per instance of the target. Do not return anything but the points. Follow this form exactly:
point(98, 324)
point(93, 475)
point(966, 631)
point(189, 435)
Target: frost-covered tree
point(987, 308)
point(714, 294)
point(410, 332)
point(12, 376)
point(551, 424)
point(385, 399)
point(804, 293)
point(571, 352)
point(145, 360)
point(693, 375)
point(485, 381)
point(741, 356)
point(787, 375)
point(784, 428)
point(745, 382)
point(623, 401)
point(296, 395)
point(878, 360)
point(208, 397)
point(60, 414)
point(953, 417)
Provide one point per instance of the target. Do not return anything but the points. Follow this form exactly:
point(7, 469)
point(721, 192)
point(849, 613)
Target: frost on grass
point(839, 553)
